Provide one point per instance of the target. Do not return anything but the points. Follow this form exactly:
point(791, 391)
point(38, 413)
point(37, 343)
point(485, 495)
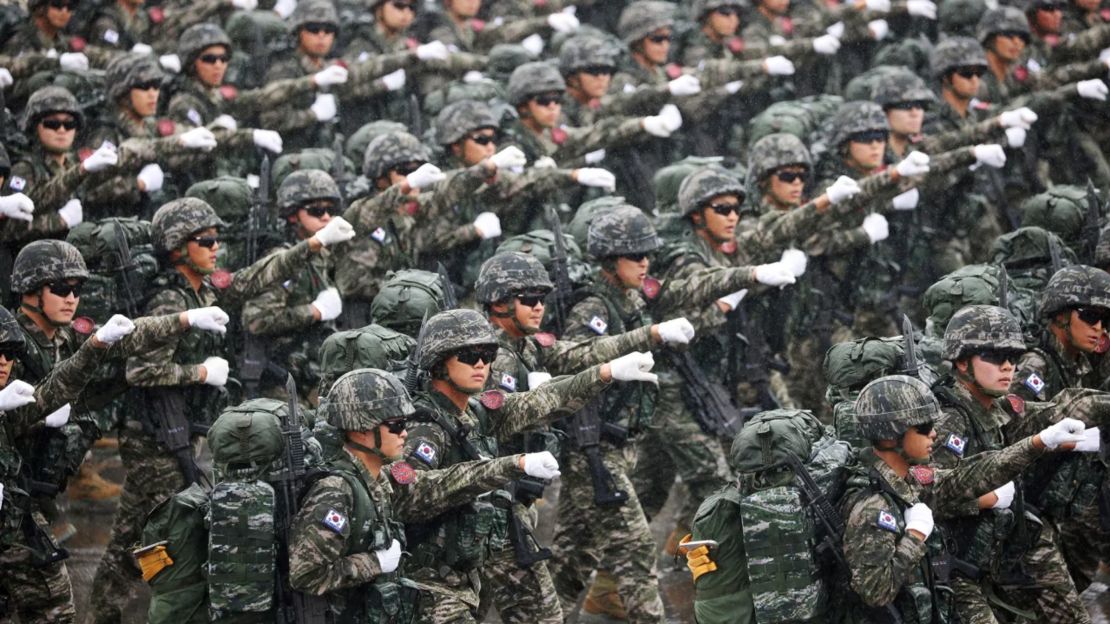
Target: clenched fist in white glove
point(1005, 496)
point(202, 138)
point(922, 8)
point(990, 155)
point(395, 80)
point(826, 45)
point(142, 48)
point(389, 558)
point(907, 200)
point(434, 51)
point(541, 465)
point(245, 5)
point(919, 518)
point(329, 304)
point(211, 319)
point(844, 188)
point(1068, 430)
point(774, 274)
point(509, 158)
point(676, 331)
point(665, 123)
point(6, 79)
point(488, 225)
point(778, 66)
point(732, 300)
point(795, 260)
point(331, 75)
point(105, 156)
point(425, 176)
point(59, 417)
point(74, 62)
point(170, 63)
point(635, 366)
point(914, 164)
point(115, 329)
point(876, 227)
point(215, 371)
point(1094, 89)
point(472, 76)
point(1015, 137)
point(338, 230)
point(72, 213)
point(17, 206)
point(267, 140)
point(16, 394)
point(878, 6)
point(596, 178)
point(534, 44)
point(150, 178)
point(324, 107)
point(1091, 442)
point(684, 85)
point(734, 87)
point(1023, 117)
point(285, 8)
point(879, 29)
point(562, 22)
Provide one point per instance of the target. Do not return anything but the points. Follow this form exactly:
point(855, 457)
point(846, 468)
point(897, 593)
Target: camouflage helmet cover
point(956, 52)
point(701, 186)
point(391, 149)
point(313, 12)
point(11, 335)
point(365, 398)
point(621, 231)
point(504, 58)
point(510, 272)
point(901, 85)
point(889, 406)
point(855, 117)
point(46, 261)
point(127, 70)
point(700, 7)
point(460, 118)
point(584, 51)
point(774, 151)
point(534, 78)
point(47, 100)
point(198, 37)
point(1000, 20)
point(643, 17)
point(957, 17)
point(1075, 286)
point(450, 331)
point(406, 298)
point(305, 185)
point(1061, 210)
point(981, 327)
point(179, 219)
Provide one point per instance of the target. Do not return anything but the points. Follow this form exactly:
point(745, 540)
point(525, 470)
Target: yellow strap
point(153, 560)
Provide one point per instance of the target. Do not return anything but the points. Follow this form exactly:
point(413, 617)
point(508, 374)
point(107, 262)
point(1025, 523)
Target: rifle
point(1091, 225)
point(450, 299)
point(165, 419)
point(587, 428)
point(339, 167)
point(1054, 255)
point(1003, 287)
point(755, 357)
point(294, 607)
point(412, 372)
point(913, 367)
point(252, 357)
point(713, 410)
point(41, 545)
point(563, 286)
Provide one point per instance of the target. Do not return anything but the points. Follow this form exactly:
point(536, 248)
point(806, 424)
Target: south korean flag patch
point(508, 382)
point(1034, 383)
point(17, 183)
point(886, 521)
point(955, 444)
point(335, 521)
point(379, 235)
point(425, 452)
point(598, 326)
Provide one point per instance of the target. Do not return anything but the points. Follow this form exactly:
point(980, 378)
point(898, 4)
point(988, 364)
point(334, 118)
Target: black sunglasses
point(208, 242)
point(871, 136)
point(317, 210)
point(635, 257)
point(547, 99)
point(530, 300)
point(483, 139)
point(317, 28)
point(1050, 6)
point(10, 354)
point(1094, 316)
point(999, 356)
point(725, 209)
point(1014, 33)
point(789, 176)
point(148, 85)
point(910, 105)
point(62, 4)
point(406, 168)
point(65, 289)
point(470, 356)
point(598, 70)
point(404, 6)
point(924, 428)
point(659, 38)
point(727, 11)
point(396, 426)
point(55, 124)
point(968, 73)
point(212, 59)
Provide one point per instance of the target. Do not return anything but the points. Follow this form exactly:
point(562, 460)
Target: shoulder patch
point(77, 44)
point(220, 279)
point(157, 14)
point(111, 36)
point(651, 287)
point(1021, 73)
point(728, 247)
point(981, 105)
point(84, 153)
point(886, 521)
point(1016, 403)
point(412, 207)
point(83, 325)
point(545, 339)
point(674, 70)
point(736, 45)
point(508, 382)
point(425, 452)
point(17, 183)
point(1034, 383)
point(598, 325)
point(788, 26)
point(166, 127)
point(492, 399)
point(402, 472)
point(193, 116)
point(411, 43)
point(559, 136)
point(335, 521)
point(229, 92)
point(477, 25)
point(1103, 343)
point(955, 444)
point(924, 475)
point(379, 235)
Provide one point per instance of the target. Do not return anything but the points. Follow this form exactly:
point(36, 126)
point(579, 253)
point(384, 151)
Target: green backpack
point(120, 257)
point(848, 367)
point(231, 198)
point(802, 117)
point(372, 346)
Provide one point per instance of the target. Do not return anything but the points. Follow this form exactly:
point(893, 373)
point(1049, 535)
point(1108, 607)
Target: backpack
point(122, 266)
point(231, 197)
point(372, 346)
point(803, 118)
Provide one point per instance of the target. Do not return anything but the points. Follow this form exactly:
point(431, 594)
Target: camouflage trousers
point(1054, 597)
point(36, 594)
point(152, 476)
point(674, 444)
point(520, 595)
point(1084, 544)
point(615, 539)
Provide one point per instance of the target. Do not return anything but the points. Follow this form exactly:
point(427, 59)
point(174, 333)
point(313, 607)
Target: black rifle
point(756, 358)
point(586, 428)
point(450, 299)
point(339, 168)
point(412, 372)
point(41, 545)
point(252, 356)
point(1003, 287)
point(559, 271)
point(713, 410)
point(912, 367)
point(1054, 255)
point(166, 420)
point(1091, 225)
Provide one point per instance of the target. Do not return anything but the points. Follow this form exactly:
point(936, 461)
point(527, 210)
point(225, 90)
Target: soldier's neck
point(1060, 332)
point(895, 460)
point(984, 400)
point(578, 94)
point(997, 65)
point(957, 103)
point(457, 397)
point(371, 462)
point(45, 326)
point(711, 34)
point(898, 143)
point(43, 26)
point(532, 125)
point(506, 324)
point(195, 279)
point(643, 61)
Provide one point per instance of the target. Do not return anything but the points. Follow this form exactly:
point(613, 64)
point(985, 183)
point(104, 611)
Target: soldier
point(187, 240)
point(460, 26)
point(348, 535)
point(457, 348)
point(46, 31)
point(125, 25)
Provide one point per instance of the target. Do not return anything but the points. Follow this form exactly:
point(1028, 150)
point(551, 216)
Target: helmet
point(365, 398)
point(901, 85)
point(958, 17)
point(504, 58)
point(391, 149)
point(623, 230)
point(198, 37)
point(587, 213)
point(179, 219)
point(46, 261)
point(248, 434)
point(47, 100)
point(774, 151)
point(406, 298)
point(457, 119)
point(11, 336)
point(854, 117)
point(1075, 286)
point(510, 272)
point(305, 185)
point(584, 51)
point(701, 186)
point(701, 7)
point(1000, 20)
point(956, 52)
point(1102, 250)
point(532, 78)
point(313, 12)
point(127, 70)
point(981, 327)
point(450, 331)
point(355, 148)
point(233, 196)
point(887, 407)
point(667, 180)
point(1061, 210)
point(643, 17)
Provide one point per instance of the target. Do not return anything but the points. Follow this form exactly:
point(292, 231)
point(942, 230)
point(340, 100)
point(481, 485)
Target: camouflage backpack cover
point(122, 266)
point(802, 117)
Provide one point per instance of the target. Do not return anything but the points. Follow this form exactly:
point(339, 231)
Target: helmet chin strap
point(187, 261)
point(373, 451)
point(37, 310)
point(511, 314)
point(969, 377)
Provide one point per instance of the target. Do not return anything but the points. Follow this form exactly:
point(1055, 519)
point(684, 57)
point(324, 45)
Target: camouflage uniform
point(115, 27)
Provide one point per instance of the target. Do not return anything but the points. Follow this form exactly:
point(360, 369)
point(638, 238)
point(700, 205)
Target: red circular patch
point(922, 474)
point(651, 287)
point(787, 26)
point(477, 25)
point(1103, 344)
point(220, 279)
point(411, 43)
point(1105, 13)
point(229, 92)
point(594, 104)
point(1052, 40)
point(728, 247)
point(166, 127)
point(77, 44)
point(674, 70)
point(1021, 73)
point(492, 399)
point(402, 472)
point(1016, 403)
point(559, 136)
point(545, 339)
point(157, 15)
point(83, 325)
point(412, 207)
point(736, 45)
point(84, 153)
point(342, 63)
point(539, 3)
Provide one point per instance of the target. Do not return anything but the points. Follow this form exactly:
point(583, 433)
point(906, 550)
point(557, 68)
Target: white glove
point(546, 162)
point(1023, 117)
point(488, 225)
point(684, 85)
point(472, 76)
point(1091, 441)
point(534, 44)
point(635, 366)
point(922, 8)
point(1067, 430)
point(245, 5)
point(325, 107)
point(837, 29)
point(142, 48)
point(842, 189)
point(105, 156)
point(541, 465)
point(170, 63)
point(434, 51)
point(734, 87)
point(74, 62)
point(331, 75)
point(876, 227)
point(914, 164)
point(425, 176)
point(535, 380)
point(267, 140)
point(394, 81)
point(227, 122)
point(919, 518)
point(1005, 496)
point(6, 79)
point(665, 123)
point(1092, 89)
point(1015, 137)
point(151, 177)
point(676, 331)
point(795, 260)
point(879, 29)
point(72, 213)
point(594, 157)
point(1104, 55)
point(508, 158)
point(826, 45)
point(116, 328)
point(989, 155)
point(389, 558)
point(907, 200)
point(328, 304)
point(562, 22)
point(17, 206)
point(338, 230)
point(202, 138)
point(733, 300)
point(779, 66)
point(878, 6)
point(216, 368)
point(285, 8)
point(211, 319)
point(16, 394)
point(774, 274)
point(597, 178)
point(59, 417)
